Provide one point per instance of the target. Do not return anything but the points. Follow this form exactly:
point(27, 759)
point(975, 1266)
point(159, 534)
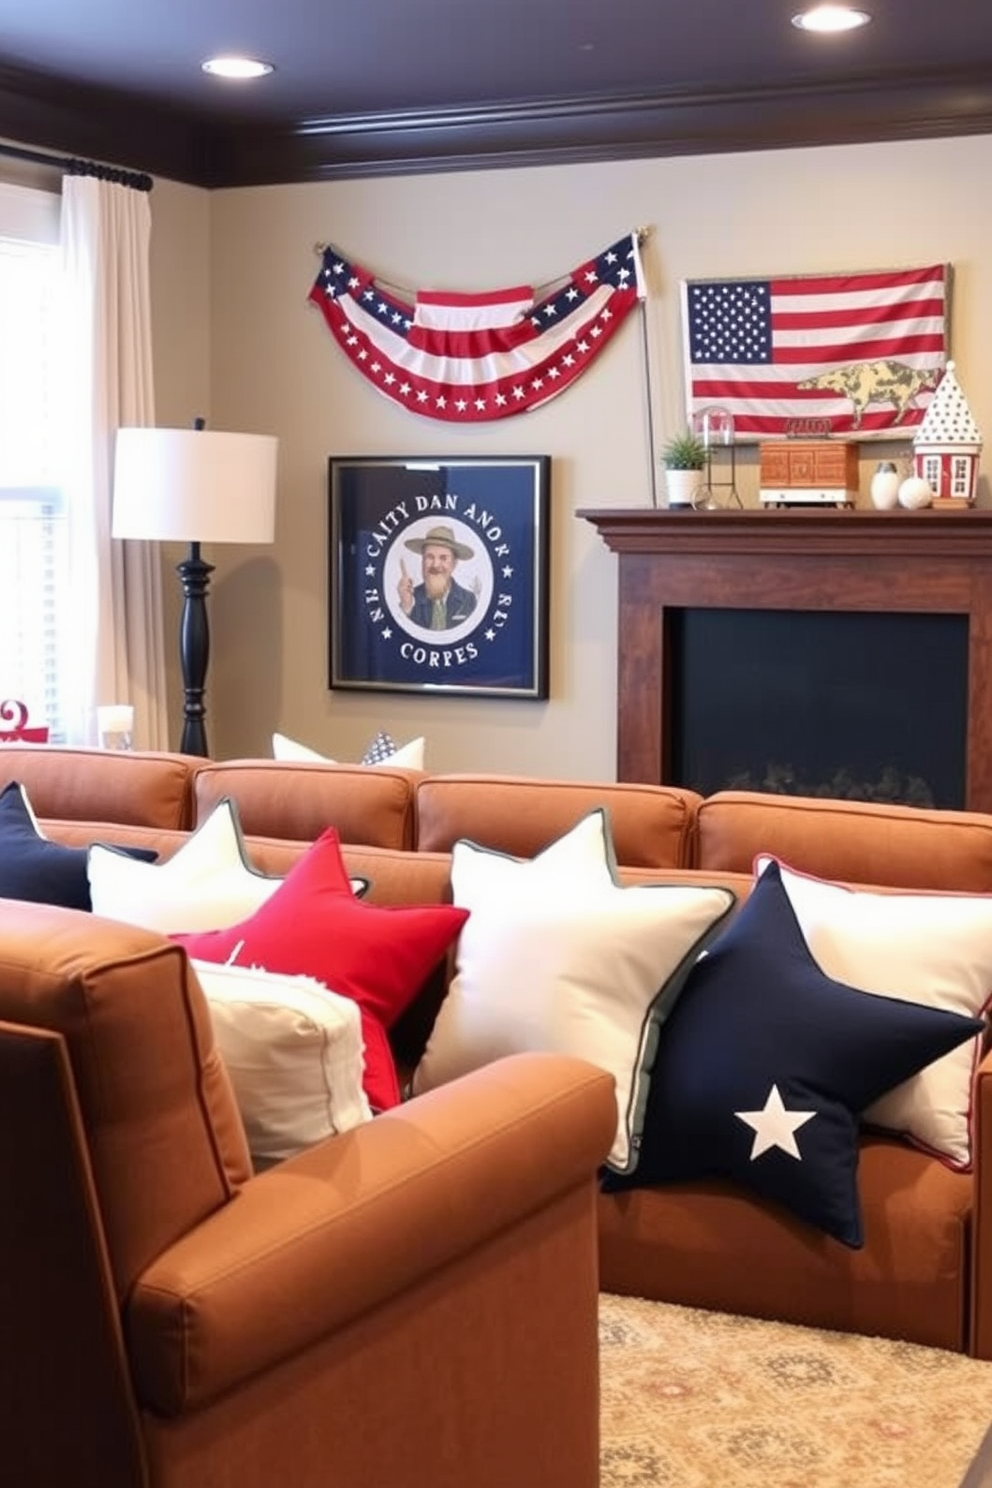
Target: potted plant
point(684, 457)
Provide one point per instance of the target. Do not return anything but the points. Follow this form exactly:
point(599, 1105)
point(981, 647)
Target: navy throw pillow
point(36, 869)
point(765, 1064)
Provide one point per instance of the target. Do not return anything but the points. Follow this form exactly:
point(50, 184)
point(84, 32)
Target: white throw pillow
point(556, 956)
point(284, 748)
point(934, 949)
point(293, 1050)
point(409, 756)
point(207, 884)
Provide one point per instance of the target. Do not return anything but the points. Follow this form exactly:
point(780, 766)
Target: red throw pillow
point(378, 955)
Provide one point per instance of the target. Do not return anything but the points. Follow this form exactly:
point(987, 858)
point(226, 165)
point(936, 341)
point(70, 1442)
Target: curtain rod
point(137, 180)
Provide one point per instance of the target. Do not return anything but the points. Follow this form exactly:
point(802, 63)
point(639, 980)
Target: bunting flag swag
point(469, 358)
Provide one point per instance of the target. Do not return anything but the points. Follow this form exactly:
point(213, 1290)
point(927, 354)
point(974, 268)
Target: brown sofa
point(923, 1273)
point(415, 1300)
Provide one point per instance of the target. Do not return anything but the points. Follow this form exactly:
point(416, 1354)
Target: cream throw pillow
point(293, 1050)
point(934, 949)
point(207, 884)
point(557, 956)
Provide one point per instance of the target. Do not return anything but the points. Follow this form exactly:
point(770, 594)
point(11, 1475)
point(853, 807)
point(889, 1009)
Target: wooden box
point(800, 471)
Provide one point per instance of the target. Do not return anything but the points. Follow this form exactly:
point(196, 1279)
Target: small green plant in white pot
point(684, 459)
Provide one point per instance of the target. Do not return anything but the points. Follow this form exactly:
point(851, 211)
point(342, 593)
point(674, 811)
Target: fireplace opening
point(849, 704)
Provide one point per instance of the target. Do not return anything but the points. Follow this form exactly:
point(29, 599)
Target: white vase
point(681, 486)
point(884, 487)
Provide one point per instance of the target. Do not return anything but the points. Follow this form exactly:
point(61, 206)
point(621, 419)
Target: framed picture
point(438, 574)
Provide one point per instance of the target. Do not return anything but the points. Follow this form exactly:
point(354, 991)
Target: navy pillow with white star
point(35, 869)
point(765, 1064)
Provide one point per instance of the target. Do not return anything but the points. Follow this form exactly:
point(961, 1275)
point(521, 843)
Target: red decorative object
point(12, 710)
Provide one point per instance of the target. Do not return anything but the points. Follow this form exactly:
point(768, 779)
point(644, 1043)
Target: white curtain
point(116, 649)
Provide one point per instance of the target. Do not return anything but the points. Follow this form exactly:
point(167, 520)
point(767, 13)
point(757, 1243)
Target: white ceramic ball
point(915, 493)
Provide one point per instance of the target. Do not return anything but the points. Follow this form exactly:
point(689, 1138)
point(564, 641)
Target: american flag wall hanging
point(470, 358)
point(849, 355)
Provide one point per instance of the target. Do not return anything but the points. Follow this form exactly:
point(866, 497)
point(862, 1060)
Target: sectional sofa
point(924, 1271)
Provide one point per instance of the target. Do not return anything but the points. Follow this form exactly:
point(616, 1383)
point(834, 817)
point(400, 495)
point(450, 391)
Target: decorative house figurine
point(947, 445)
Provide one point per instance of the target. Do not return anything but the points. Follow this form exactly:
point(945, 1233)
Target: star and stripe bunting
point(470, 358)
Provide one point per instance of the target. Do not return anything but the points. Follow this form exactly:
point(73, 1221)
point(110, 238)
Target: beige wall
point(237, 342)
point(275, 368)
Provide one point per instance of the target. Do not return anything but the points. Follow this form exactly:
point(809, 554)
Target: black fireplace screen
point(848, 704)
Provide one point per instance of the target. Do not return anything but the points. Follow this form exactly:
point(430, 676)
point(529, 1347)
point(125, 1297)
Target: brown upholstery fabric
point(693, 1244)
point(67, 1414)
point(299, 800)
point(651, 824)
point(141, 789)
point(483, 1374)
point(252, 1287)
point(165, 1137)
point(855, 841)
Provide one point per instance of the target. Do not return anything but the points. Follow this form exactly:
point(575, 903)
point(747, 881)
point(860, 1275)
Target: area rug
point(694, 1399)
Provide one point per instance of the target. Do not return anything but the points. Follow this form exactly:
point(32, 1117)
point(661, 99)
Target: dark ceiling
point(379, 87)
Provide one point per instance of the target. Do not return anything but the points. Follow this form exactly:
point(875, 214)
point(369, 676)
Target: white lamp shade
point(194, 485)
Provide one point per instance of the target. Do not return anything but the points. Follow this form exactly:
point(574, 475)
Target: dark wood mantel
point(791, 559)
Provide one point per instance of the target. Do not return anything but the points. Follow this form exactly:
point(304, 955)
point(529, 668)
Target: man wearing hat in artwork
point(438, 602)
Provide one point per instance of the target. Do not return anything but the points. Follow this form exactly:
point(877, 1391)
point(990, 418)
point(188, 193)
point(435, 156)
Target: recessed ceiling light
point(831, 18)
point(236, 67)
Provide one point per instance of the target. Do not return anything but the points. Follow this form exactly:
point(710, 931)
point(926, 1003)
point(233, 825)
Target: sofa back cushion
point(652, 825)
point(299, 800)
point(142, 789)
point(165, 1139)
point(862, 842)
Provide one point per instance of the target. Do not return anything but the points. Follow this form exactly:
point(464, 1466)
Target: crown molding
point(213, 152)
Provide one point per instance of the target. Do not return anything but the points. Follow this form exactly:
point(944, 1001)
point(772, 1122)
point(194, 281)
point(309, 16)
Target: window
point(961, 476)
point(931, 472)
point(33, 519)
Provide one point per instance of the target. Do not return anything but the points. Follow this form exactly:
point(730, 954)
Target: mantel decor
point(791, 559)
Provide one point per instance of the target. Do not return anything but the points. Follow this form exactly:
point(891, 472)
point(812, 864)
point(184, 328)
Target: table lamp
point(198, 486)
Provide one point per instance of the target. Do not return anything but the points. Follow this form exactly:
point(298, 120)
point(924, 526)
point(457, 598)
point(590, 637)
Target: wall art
point(817, 356)
point(438, 574)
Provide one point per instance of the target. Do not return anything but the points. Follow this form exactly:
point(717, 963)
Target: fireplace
point(901, 568)
point(855, 705)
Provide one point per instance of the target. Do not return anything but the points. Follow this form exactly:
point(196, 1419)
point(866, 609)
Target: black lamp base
point(194, 649)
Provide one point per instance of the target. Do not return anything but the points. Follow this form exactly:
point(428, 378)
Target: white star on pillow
point(556, 956)
point(774, 1126)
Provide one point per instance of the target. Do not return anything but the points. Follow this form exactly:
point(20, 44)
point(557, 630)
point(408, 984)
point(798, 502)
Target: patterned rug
point(694, 1399)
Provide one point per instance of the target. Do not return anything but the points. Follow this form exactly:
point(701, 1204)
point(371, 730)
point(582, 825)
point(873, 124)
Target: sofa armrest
point(310, 1244)
point(980, 1339)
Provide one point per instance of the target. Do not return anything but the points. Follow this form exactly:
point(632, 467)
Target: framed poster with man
point(438, 574)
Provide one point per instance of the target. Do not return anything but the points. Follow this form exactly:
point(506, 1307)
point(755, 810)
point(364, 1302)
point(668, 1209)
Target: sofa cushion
point(35, 869)
point(141, 788)
point(293, 1051)
point(557, 956)
point(926, 948)
point(765, 1064)
point(314, 926)
point(651, 826)
point(298, 800)
point(711, 1244)
point(863, 842)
